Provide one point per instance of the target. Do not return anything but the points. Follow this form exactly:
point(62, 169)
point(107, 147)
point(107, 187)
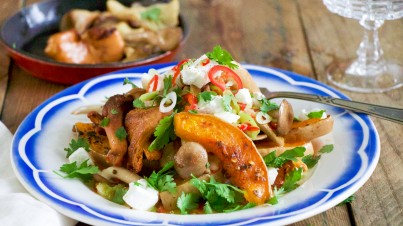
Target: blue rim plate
point(38, 145)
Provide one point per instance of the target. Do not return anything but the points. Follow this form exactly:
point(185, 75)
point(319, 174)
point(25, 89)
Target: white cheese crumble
point(210, 107)
point(79, 156)
point(140, 196)
point(243, 96)
point(227, 116)
point(272, 173)
point(197, 74)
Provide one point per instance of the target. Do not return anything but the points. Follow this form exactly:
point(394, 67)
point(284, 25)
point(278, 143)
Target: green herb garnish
point(127, 81)
point(316, 114)
point(83, 171)
point(76, 144)
point(121, 133)
point(271, 160)
point(222, 57)
point(164, 133)
point(163, 179)
point(152, 14)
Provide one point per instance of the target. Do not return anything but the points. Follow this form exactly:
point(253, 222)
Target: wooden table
point(300, 36)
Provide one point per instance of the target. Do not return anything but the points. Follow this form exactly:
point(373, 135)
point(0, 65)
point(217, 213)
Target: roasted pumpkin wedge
point(242, 163)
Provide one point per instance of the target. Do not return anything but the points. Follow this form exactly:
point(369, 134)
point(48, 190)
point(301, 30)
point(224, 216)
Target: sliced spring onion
point(168, 102)
point(262, 118)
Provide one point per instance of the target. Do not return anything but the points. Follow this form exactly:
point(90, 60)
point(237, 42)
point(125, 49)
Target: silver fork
point(383, 112)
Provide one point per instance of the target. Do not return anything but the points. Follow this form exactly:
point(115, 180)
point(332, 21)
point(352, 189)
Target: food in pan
point(119, 34)
point(197, 138)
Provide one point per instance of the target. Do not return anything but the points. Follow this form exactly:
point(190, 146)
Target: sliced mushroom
point(285, 118)
point(191, 159)
point(79, 19)
point(271, 134)
point(119, 173)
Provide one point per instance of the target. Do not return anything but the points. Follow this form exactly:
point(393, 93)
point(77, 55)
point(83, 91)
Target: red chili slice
point(177, 70)
point(227, 74)
point(205, 62)
point(247, 127)
point(192, 100)
point(154, 82)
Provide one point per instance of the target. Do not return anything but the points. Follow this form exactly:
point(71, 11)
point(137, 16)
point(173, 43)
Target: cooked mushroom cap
point(285, 118)
point(191, 159)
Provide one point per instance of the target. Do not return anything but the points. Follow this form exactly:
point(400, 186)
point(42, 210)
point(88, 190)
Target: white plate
point(38, 146)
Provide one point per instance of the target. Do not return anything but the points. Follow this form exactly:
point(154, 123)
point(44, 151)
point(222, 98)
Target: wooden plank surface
point(331, 38)
point(300, 36)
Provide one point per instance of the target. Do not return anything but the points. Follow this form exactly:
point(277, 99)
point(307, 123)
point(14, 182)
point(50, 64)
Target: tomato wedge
point(192, 100)
point(226, 75)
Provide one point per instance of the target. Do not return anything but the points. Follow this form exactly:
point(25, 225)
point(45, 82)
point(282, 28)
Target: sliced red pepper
point(248, 127)
point(205, 62)
point(153, 81)
point(177, 70)
point(192, 100)
point(242, 106)
point(227, 74)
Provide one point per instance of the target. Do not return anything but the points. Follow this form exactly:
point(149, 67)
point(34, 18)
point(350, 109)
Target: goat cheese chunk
point(140, 196)
point(227, 116)
point(210, 107)
point(243, 96)
point(196, 73)
point(79, 156)
point(272, 172)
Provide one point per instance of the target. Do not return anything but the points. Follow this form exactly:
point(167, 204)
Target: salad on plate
point(198, 138)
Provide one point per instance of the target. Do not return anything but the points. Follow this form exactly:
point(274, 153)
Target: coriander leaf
point(226, 100)
point(127, 81)
point(207, 208)
point(187, 202)
point(310, 160)
point(326, 148)
point(137, 103)
point(121, 133)
point(276, 195)
point(164, 133)
point(105, 122)
point(220, 197)
point(152, 14)
point(291, 179)
point(272, 161)
point(114, 111)
point(83, 171)
point(316, 114)
point(266, 105)
point(222, 57)
point(76, 144)
point(163, 180)
point(206, 96)
point(192, 111)
point(347, 200)
point(167, 85)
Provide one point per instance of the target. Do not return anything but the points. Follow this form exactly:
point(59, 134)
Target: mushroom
point(191, 159)
point(271, 134)
point(285, 118)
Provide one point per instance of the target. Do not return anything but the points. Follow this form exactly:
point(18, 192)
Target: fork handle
point(384, 112)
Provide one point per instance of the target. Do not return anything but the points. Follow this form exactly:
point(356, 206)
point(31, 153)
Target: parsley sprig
point(127, 81)
point(164, 133)
point(272, 160)
point(222, 57)
point(266, 105)
point(76, 144)
point(218, 197)
point(311, 160)
point(163, 180)
point(82, 171)
point(316, 114)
